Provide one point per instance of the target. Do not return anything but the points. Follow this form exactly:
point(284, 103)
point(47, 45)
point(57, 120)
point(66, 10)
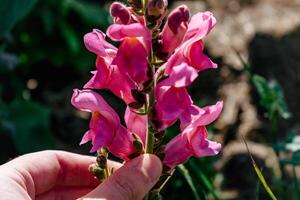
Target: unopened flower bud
point(138, 96)
point(137, 6)
point(156, 8)
point(120, 13)
point(97, 171)
point(174, 31)
point(177, 17)
point(101, 161)
point(138, 144)
point(135, 105)
point(155, 11)
point(160, 153)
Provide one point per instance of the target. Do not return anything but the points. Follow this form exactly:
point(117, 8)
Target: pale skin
point(59, 175)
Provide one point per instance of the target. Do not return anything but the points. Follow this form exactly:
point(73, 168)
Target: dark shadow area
point(279, 58)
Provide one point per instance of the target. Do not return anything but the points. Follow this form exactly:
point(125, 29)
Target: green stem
point(150, 133)
point(149, 140)
point(145, 2)
point(104, 152)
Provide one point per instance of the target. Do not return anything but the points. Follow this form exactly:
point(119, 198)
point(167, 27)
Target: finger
point(64, 193)
point(132, 181)
point(41, 171)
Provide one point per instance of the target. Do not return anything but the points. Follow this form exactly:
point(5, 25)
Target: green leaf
point(155, 195)
point(32, 126)
point(71, 38)
point(184, 171)
point(260, 175)
point(204, 179)
point(12, 11)
point(270, 94)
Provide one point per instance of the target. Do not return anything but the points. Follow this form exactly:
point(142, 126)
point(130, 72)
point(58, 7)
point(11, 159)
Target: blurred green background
point(42, 58)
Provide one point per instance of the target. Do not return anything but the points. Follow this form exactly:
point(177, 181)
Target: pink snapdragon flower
point(173, 88)
point(117, 70)
point(192, 141)
point(105, 128)
point(191, 48)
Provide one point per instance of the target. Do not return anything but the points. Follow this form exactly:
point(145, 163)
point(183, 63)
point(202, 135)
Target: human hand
point(61, 175)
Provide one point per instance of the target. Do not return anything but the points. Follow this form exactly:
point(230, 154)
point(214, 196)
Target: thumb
point(130, 182)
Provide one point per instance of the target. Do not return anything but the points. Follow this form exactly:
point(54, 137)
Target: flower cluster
point(149, 71)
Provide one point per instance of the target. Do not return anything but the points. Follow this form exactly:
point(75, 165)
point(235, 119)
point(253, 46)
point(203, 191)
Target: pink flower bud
point(179, 17)
point(120, 13)
point(175, 28)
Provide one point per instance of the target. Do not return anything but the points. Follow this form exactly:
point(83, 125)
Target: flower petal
point(197, 58)
point(180, 76)
point(119, 32)
point(132, 59)
point(122, 144)
point(171, 102)
point(95, 42)
point(201, 145)
point(175, 28)
point(200, 25)
point(90, 101)
point(177, 151)
point(136, 124)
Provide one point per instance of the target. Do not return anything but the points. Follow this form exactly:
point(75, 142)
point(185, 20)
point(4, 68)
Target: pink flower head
point(105, 128)
point(117, 69)
point(109, 76)
point(191, 49)
point(172, 98)
point(95, 42)
point(192, 141)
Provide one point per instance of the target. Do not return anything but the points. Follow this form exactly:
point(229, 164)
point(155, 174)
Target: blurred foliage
point(41, 55)
point(271, 98)
point(260, 174)
point(270, 94)
point(12, 11)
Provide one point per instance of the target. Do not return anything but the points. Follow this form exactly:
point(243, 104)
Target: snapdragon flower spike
point(149, 65)
point(192, 141)
point(105, 128)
